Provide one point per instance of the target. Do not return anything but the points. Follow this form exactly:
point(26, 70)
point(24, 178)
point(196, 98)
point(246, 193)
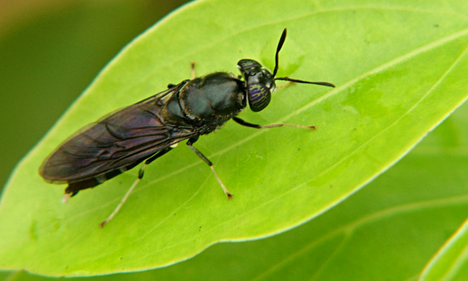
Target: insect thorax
point(207, 101)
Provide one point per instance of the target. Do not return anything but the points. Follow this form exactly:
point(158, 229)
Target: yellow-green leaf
point(400, 69)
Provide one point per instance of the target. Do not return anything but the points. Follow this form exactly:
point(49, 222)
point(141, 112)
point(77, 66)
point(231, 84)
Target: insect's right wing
point(115, 143)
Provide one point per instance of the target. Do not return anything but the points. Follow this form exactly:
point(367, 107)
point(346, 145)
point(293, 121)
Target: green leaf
point(400, 72)
point(390, 228)
point(450, 263)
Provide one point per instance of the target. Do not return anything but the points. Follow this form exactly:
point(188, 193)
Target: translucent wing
point(114, 144)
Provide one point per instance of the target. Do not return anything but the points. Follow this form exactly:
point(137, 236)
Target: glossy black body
point(124, 139)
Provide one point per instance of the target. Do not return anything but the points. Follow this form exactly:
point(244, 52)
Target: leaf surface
point(400, 69)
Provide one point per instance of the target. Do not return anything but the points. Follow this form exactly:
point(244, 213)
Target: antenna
point(278, 49)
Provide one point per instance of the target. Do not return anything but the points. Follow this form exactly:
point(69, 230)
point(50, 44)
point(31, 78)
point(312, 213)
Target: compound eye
point(259, 83)
point(259, 91)
point(259, 97)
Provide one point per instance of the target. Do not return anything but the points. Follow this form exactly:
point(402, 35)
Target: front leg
point(256, 126)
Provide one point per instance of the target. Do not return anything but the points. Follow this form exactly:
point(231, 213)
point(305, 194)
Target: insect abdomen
point(74, 187)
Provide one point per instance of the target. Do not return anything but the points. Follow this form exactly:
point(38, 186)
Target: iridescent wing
point(114, 144)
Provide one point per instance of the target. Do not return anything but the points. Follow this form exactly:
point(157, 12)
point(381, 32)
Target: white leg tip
point(66, 197)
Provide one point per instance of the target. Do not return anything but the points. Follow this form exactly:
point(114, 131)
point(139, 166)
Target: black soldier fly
point(152, 127)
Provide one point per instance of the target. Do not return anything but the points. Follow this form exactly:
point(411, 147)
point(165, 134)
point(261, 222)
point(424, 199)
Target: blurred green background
point(50, 51)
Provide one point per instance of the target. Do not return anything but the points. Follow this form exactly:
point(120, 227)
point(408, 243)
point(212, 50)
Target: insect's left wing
point(114, 144)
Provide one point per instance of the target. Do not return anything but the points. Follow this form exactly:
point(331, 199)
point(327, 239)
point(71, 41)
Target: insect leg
point(256, 126)
point(192, 66)
point(141, 173)
point(207, 161)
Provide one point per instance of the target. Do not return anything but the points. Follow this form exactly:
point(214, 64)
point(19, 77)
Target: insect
point(152, 127)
